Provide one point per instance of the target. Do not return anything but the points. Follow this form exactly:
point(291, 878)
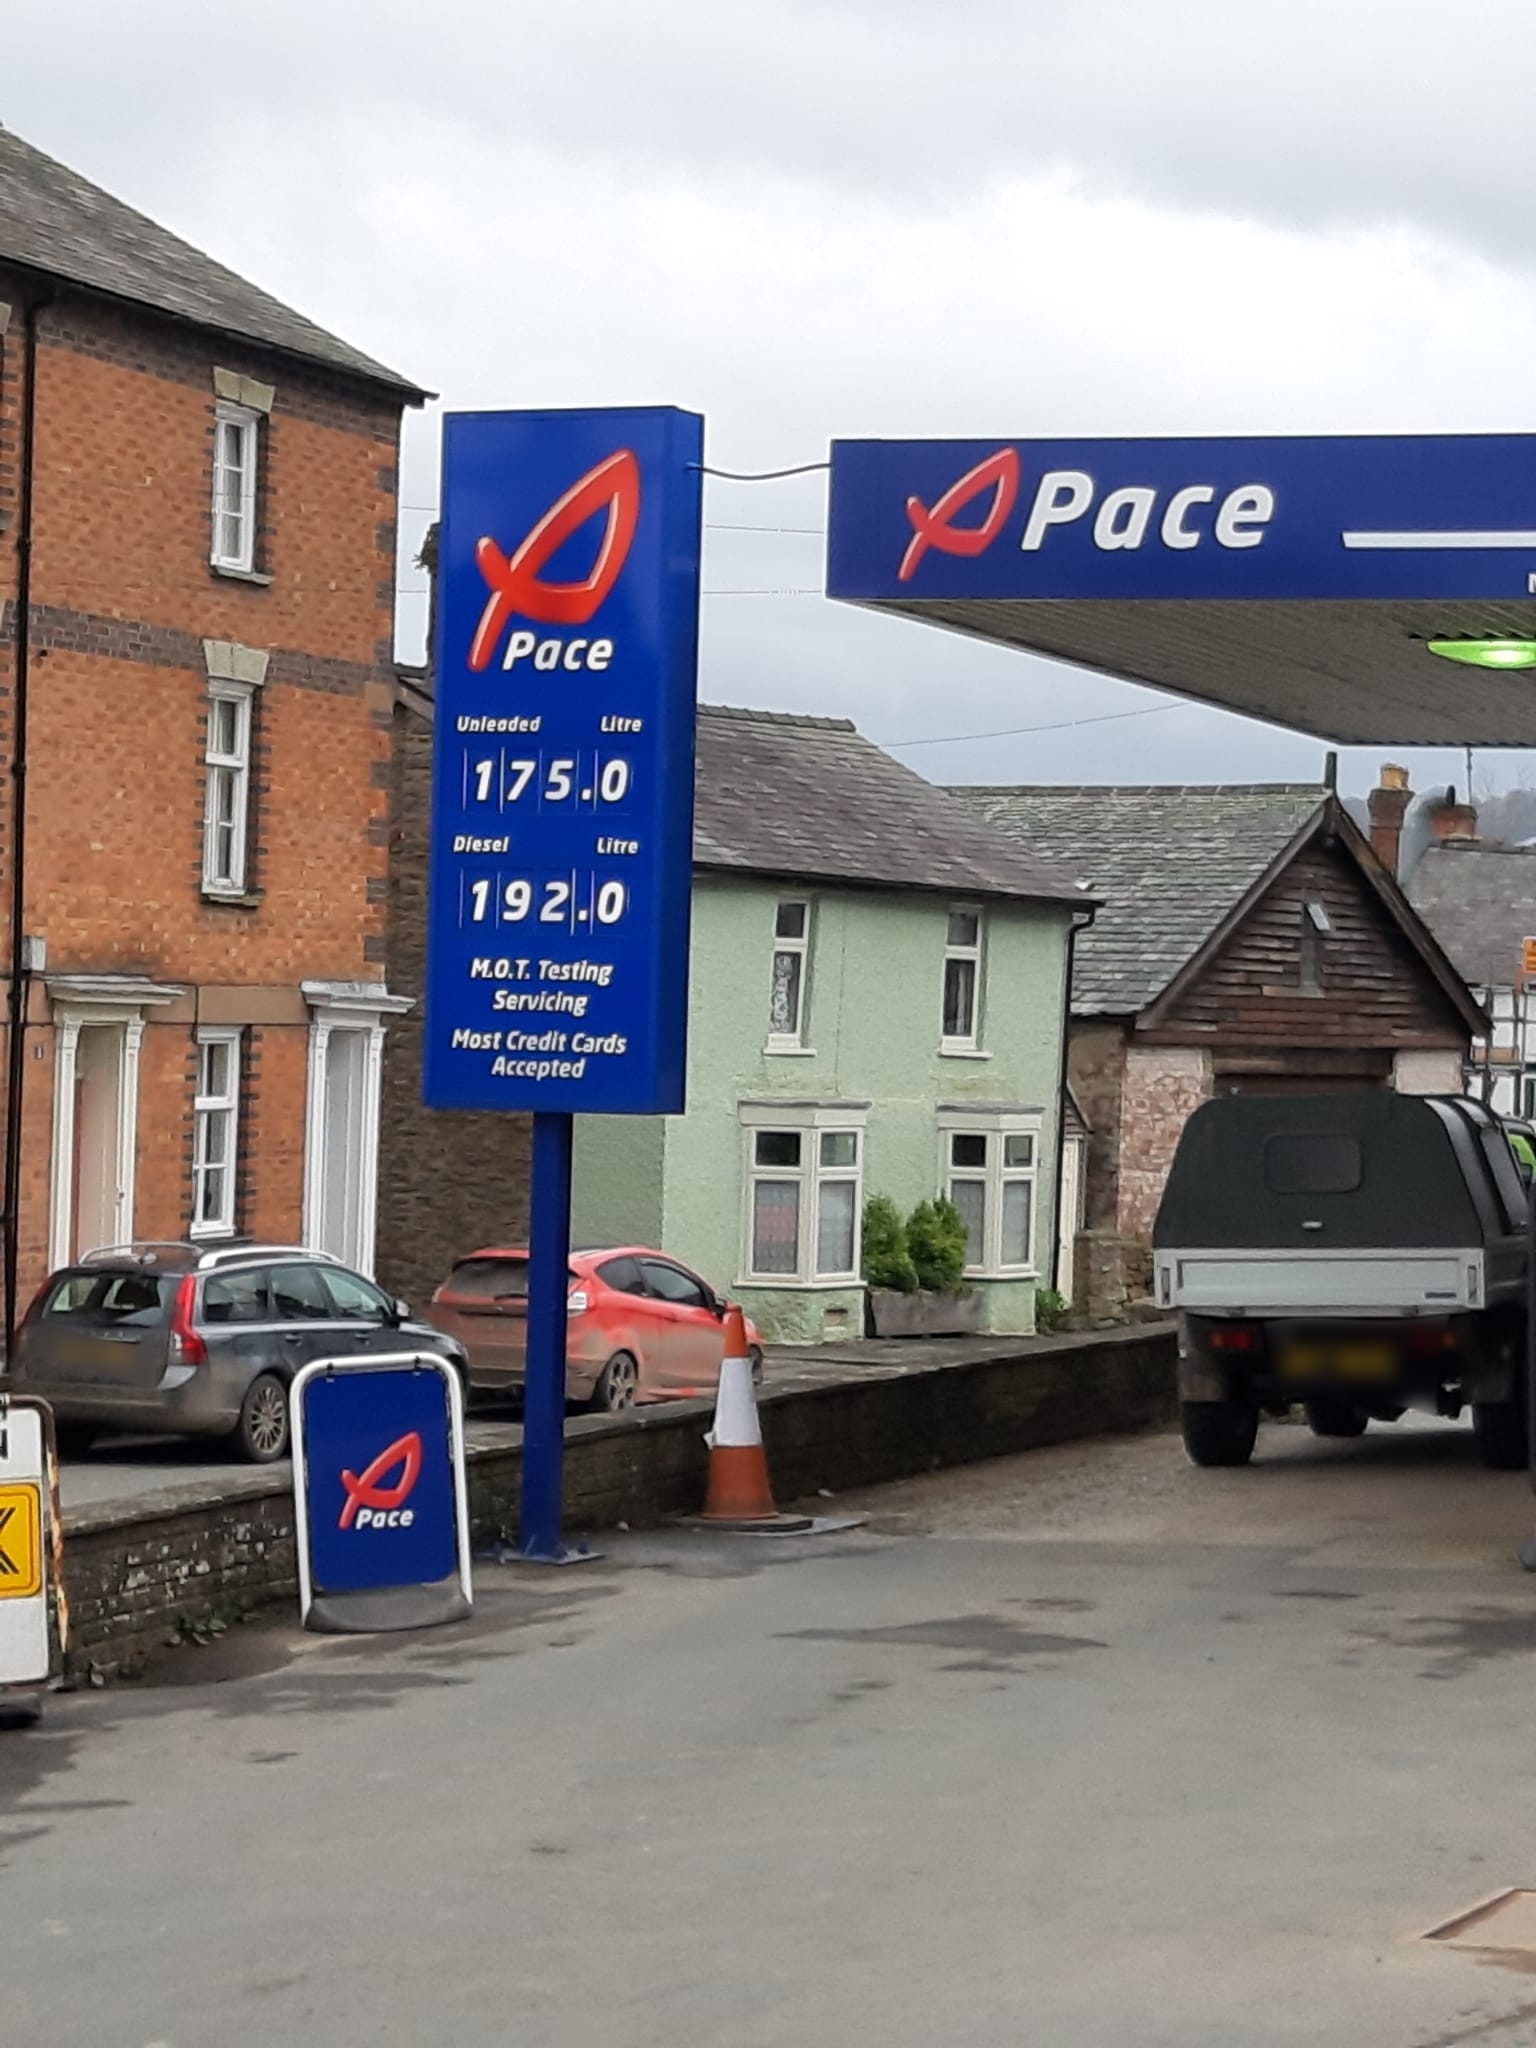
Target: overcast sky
point(818, 217)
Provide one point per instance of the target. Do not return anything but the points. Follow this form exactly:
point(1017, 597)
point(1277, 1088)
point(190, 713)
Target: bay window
point(989, 1168)
point(805, 1170)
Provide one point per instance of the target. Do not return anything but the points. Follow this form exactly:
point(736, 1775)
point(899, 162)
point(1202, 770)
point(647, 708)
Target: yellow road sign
point(21, 1542)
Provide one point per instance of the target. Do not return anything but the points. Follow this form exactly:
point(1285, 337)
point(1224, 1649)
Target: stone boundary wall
point(136, 1569)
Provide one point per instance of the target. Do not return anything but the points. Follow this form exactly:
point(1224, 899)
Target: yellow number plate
point(21, 1542)
point(1339, 1361)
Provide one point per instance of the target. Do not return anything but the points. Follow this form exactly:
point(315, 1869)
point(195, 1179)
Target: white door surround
point(86, 1002)
point(341, 1134)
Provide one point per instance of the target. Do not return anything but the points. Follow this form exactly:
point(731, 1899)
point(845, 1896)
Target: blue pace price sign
point(562, 820)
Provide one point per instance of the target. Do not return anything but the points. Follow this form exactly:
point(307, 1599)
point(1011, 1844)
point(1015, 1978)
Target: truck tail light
point(1235, 1338)
point(187, 1348)
point(1422, 1340)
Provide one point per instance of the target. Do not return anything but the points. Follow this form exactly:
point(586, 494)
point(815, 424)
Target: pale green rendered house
point(878, 991)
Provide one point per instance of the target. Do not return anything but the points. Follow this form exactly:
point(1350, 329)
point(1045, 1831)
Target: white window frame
point(996, 1126)
point(963, 1043)
point(791, 1041)
point(231, 770)
point(247, 424)
point(810, 1122)
point(204, 1108)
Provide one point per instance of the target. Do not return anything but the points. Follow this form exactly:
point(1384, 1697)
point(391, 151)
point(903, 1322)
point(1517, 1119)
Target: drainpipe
point(1080, 923)
point(19, 979)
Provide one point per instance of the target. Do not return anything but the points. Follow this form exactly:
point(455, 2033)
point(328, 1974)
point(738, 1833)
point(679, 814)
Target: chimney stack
point(1452, 820)
point(1386, 805)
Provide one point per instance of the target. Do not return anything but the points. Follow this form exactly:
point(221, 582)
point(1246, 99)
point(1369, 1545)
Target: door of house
point(98, 1197)
point(340, 1211)
point(1070, 1221)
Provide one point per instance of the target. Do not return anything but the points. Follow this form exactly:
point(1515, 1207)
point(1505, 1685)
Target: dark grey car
point(177, 1339)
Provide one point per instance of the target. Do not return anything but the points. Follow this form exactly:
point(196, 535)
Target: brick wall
point(1163, 1086)
point(132, 1573)
point(123, 598)
point(447, 1181)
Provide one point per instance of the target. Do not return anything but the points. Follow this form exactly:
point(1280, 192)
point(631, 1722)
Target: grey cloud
point(1297, 112)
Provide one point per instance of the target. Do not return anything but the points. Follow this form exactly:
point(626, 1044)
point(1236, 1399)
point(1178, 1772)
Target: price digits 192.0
point(572, 901)
point(545, 781)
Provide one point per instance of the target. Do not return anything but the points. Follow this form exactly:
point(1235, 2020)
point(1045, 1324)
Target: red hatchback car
point(640, 1326)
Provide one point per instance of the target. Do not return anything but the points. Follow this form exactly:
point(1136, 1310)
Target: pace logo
point(933, 526)
point(370, 1504)
point(517, 589)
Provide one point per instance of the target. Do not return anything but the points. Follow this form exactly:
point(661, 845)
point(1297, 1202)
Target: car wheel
point(261, 1434)
point(1336, 1418)
point(1218, 1432)
point(756, 1356)
point(617, 1385)
point(1499, 1427)
point(74, 1439)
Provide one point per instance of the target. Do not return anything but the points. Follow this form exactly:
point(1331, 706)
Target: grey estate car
point(180, 1339)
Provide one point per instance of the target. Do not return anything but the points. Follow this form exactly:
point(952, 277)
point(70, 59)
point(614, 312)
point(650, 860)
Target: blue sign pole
point(544, 1373)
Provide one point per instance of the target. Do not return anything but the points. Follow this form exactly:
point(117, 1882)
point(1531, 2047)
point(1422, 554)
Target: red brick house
point(197, 564)
point(1248, 939)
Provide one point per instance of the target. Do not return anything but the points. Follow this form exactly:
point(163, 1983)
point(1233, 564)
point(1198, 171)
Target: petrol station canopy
point(1365, 589)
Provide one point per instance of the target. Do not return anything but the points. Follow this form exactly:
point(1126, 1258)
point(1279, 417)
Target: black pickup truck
point(1360, 1253)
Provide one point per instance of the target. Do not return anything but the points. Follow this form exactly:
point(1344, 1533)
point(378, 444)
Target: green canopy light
point(1487, 653)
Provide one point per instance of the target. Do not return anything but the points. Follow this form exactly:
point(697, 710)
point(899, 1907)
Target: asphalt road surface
point(1083, 1749)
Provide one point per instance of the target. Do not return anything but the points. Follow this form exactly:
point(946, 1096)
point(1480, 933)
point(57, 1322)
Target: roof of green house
point(57, 223)
point(1170, 863)
point(811, 798)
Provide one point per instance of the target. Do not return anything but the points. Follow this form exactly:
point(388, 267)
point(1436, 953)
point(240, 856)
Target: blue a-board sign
point(1307, 517)
point(378, 1475)
point(562, 816)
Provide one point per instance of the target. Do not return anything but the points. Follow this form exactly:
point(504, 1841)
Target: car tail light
point(1235, 1339)
point(577, 1302)
point(1431, 1340)
point(187, 1348)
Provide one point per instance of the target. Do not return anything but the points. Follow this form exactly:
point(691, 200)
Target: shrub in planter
point(936, 1238)
point(1051, 1310)
point(887, 1261)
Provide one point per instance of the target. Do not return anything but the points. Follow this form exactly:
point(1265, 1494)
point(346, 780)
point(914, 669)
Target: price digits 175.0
point(587, 781)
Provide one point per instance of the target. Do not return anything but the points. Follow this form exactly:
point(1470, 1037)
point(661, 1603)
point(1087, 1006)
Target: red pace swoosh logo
point(513, 580)
point(933, 528)
point(363, 1489)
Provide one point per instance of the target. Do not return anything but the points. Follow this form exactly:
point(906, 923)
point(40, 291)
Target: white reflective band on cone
point(736, 1423)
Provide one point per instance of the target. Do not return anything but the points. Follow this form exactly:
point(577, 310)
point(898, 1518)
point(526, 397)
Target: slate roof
point(1170, 863)
point(54, 221)
point(812, 798)
point(1479, 900)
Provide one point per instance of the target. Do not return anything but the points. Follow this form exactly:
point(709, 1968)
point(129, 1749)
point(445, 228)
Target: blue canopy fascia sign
point(1302, 579)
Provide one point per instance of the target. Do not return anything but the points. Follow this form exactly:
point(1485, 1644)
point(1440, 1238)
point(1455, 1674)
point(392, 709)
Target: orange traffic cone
point(739, 1494)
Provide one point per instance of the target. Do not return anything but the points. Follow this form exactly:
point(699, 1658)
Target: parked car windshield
point(138, 1299)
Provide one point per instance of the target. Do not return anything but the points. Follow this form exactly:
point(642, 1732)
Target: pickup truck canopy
point(1341, 1172)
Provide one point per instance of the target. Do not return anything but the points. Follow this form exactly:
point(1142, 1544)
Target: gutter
point(19, 983)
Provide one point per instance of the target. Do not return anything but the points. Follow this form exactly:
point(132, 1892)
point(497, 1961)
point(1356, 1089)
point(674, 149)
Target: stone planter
point(923, 1315)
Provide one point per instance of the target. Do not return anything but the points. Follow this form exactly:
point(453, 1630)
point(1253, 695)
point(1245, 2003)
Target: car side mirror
point(399, 1311)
